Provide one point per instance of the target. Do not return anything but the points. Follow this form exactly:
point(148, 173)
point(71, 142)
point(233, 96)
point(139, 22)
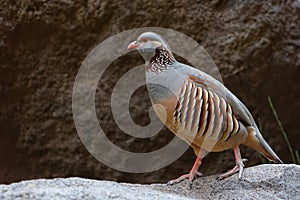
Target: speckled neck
point(161, 61)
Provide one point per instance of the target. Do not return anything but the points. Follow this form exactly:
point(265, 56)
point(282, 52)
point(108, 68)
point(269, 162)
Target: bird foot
point(238, 168)
point(190, 176)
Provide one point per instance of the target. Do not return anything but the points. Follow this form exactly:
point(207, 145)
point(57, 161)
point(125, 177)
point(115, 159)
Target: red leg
point(239, 167)
point(192, 174)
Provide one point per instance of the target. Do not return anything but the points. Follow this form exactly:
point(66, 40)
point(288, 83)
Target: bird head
point(147, 43)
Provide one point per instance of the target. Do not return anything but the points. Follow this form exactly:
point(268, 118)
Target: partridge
point(197, 108)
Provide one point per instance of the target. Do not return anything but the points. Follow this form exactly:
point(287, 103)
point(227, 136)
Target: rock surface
point(259, 182)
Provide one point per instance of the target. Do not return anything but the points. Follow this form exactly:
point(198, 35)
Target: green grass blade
point(297, 157)
point(282, 130)
point(260, 126)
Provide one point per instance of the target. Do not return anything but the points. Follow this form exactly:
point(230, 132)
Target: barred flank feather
point(203, 112)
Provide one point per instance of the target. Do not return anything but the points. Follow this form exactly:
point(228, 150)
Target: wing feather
point(205, 81)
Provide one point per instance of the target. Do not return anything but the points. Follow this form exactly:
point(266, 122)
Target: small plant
point(294, 154)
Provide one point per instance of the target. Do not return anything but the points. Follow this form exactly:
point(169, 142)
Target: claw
point(190, 184)
point(239, 167)
point(199, 174)
point(190, 177)
point(194, 172)
point(229, 173)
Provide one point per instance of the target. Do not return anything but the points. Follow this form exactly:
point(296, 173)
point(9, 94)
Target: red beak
point(133, 45)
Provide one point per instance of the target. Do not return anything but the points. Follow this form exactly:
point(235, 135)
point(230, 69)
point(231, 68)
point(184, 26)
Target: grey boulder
point(259, 182)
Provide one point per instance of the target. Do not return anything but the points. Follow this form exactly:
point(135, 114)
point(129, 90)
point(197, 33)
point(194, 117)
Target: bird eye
point(145, 39)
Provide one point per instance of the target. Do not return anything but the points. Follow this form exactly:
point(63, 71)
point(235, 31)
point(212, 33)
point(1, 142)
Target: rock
point(268, 181)
point(79, 188)
point(259, 182)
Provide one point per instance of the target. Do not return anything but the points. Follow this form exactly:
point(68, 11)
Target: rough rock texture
point(79, 188)
point(260, 182)
point(256, 44)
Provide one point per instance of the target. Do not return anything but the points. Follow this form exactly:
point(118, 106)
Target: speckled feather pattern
point(161, 61)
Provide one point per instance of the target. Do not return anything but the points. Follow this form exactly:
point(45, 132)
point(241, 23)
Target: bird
point(197, 108)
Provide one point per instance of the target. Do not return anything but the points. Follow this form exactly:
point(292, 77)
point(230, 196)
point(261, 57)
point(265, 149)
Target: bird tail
point(256, 142)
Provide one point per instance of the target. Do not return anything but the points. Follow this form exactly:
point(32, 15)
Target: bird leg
point(191, 175)
point(194, 171)
point(239, 167)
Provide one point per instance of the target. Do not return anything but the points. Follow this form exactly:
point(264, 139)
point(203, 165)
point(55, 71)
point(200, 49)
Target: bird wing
point(206, 81)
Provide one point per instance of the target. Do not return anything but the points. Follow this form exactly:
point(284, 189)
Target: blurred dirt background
point(256, 45)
